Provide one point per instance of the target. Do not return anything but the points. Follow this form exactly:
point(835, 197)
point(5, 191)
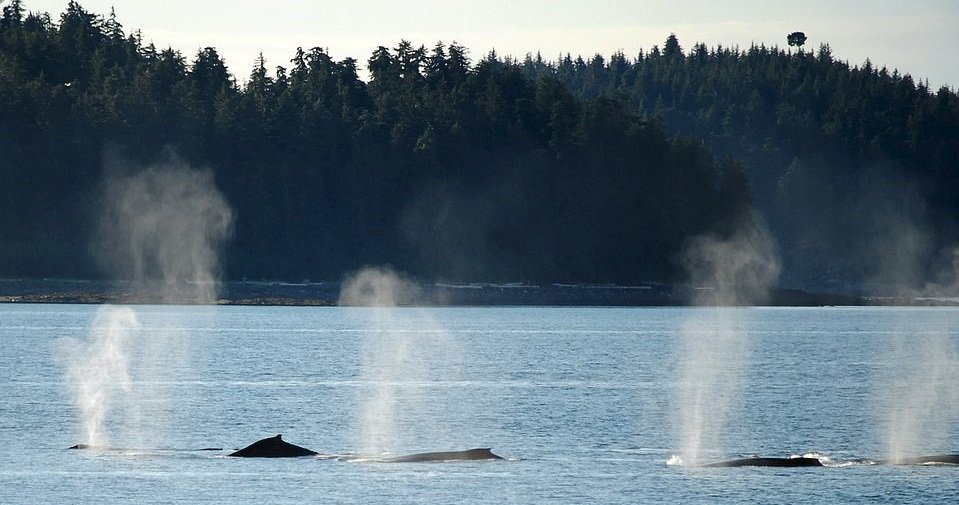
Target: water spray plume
point(924, 396)
point(397, 362)
point(378, 287)
point(161, 228)
point(738, 270)
point(384, 354)
point(916, 398)
point(98, 373)
point(734, 271)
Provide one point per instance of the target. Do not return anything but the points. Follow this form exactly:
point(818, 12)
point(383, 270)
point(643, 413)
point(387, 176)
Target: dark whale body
point(272, 447)
point(776, 462)
point(941, 459)
point(468, 455)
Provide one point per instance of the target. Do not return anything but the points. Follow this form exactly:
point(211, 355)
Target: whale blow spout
point(468, 455)
point(776, 462)
point(272, 447)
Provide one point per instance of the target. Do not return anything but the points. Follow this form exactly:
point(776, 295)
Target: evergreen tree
point(578, 170)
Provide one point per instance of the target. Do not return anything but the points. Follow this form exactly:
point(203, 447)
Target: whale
point(938, 459)
point(276, 447)
point(272, 447)
point(774, 462)
point(423, 457)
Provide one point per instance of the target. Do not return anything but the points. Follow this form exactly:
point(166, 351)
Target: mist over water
point(916, 393)
point(403, 351)
point(920, 395)
point(738, 270)
point(714, 353)
point(98, 374)
point(378, 287)
point(161, 227)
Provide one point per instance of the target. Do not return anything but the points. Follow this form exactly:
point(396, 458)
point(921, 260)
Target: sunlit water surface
point(583, 403)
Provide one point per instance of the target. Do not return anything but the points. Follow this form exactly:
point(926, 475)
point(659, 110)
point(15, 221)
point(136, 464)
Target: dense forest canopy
point(855, 168)
point(495, 169)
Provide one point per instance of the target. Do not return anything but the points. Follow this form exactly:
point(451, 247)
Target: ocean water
point(587, 405)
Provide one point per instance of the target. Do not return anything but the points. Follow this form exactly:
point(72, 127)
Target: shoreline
point(326, 294)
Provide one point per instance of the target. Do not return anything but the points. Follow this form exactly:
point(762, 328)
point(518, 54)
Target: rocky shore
point(308, 293)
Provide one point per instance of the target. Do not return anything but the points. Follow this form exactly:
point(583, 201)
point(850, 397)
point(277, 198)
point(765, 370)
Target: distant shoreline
point(326, 294)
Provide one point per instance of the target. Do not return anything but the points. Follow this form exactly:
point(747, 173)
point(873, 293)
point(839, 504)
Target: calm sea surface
point(586, 404)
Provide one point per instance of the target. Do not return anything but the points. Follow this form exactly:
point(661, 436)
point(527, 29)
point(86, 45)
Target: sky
point(918, 37)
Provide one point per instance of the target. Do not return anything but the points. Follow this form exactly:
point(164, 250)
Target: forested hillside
point(438, 166)
point(451, 167)
point(855, 168)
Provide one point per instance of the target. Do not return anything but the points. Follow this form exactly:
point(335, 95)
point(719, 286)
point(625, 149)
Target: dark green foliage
point(831, 151)
point(796, 39)
point(438, 167)
point(498, 170)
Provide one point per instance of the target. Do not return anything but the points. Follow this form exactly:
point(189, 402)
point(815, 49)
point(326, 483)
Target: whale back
point(938, 459)
point(272, 447)
point(467, 455)
point(774, 462)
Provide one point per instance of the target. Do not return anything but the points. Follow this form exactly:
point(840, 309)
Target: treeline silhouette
point(439, 167)
point(855, 168)
point(446, 168)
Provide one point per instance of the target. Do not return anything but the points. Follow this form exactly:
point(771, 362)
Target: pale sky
point(918, 37)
